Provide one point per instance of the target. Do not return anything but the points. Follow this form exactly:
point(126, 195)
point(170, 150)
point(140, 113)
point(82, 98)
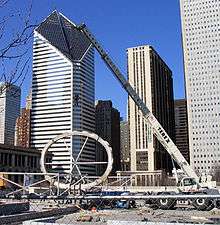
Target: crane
point(158, 130)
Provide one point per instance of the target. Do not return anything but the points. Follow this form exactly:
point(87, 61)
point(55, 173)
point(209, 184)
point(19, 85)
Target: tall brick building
point(23, 129)
point(23, 126)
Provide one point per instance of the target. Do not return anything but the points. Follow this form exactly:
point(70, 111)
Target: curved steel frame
point(86, 134)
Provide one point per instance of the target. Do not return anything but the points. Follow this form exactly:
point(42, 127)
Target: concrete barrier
point(9, 208)
point(37, 215)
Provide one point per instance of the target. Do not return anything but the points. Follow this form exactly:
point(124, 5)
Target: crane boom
point(158, 130)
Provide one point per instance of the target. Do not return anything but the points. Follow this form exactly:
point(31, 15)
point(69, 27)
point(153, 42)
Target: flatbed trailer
point(161, 200)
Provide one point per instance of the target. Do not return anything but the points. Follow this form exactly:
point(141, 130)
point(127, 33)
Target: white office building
point(201, 44)
point(10, 96)
point(62, 90)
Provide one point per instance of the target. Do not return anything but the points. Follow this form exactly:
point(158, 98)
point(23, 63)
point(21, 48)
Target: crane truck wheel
point(165, 203)
point(218, 204)
point(203, 204)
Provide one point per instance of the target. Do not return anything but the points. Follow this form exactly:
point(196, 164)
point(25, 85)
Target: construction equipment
point(192, 181)
point(3, 182)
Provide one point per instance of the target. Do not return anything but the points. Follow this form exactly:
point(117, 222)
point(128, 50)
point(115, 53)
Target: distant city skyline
point(147, 25)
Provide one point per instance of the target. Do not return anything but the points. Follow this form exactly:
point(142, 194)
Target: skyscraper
point(107, 121)
point(22, 130)
point(181, 127)
point(10, 96)
point(62, 90)
point(152, 80)
point(23, 125)
point(201, 48)
point(125, 149)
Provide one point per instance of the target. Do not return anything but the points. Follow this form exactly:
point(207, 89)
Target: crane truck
point(189, 185)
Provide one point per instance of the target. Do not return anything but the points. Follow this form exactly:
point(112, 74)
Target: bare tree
point(14, 43)
point(16, 32)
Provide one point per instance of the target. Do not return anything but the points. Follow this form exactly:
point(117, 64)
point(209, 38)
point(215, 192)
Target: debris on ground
point(144, 219)
point(144, 210)
point(215, 211)
point(84, 218)
point(201, 219)
point(144, 214)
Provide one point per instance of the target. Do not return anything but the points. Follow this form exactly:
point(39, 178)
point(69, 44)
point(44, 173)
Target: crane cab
point(188, 184)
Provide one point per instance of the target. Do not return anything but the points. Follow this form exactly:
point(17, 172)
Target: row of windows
point(43, 111)
point(205, 83)
point(48, 73)
point(204, 109)
point(52, 98)
point(204, 144)
point(67, 87)
point(207, 59)
point(55, 77)
point(49, 64)
point(200, 94)
point(213, 98)
point(204, 115)
point(39, 85)
point(200, 34)
point(202, 138)
point(14, 160)
point(37, 69)
point(191, 4)
point(208, 161)
point(205, 167)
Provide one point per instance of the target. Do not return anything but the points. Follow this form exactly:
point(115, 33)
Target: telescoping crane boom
point(158, 130)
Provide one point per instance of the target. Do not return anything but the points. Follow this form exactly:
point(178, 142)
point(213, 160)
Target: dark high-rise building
point(125, 150)
point(181, 127)
point(153, 82)
point(108, 127)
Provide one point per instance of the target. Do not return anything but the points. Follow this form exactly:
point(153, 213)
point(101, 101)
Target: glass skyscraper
point(62, 90)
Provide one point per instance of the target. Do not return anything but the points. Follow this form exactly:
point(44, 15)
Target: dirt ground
point(181, 215)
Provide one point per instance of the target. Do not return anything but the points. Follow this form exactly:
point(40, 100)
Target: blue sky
point(119, 25)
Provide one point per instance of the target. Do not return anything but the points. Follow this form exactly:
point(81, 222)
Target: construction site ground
point(143, 213)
